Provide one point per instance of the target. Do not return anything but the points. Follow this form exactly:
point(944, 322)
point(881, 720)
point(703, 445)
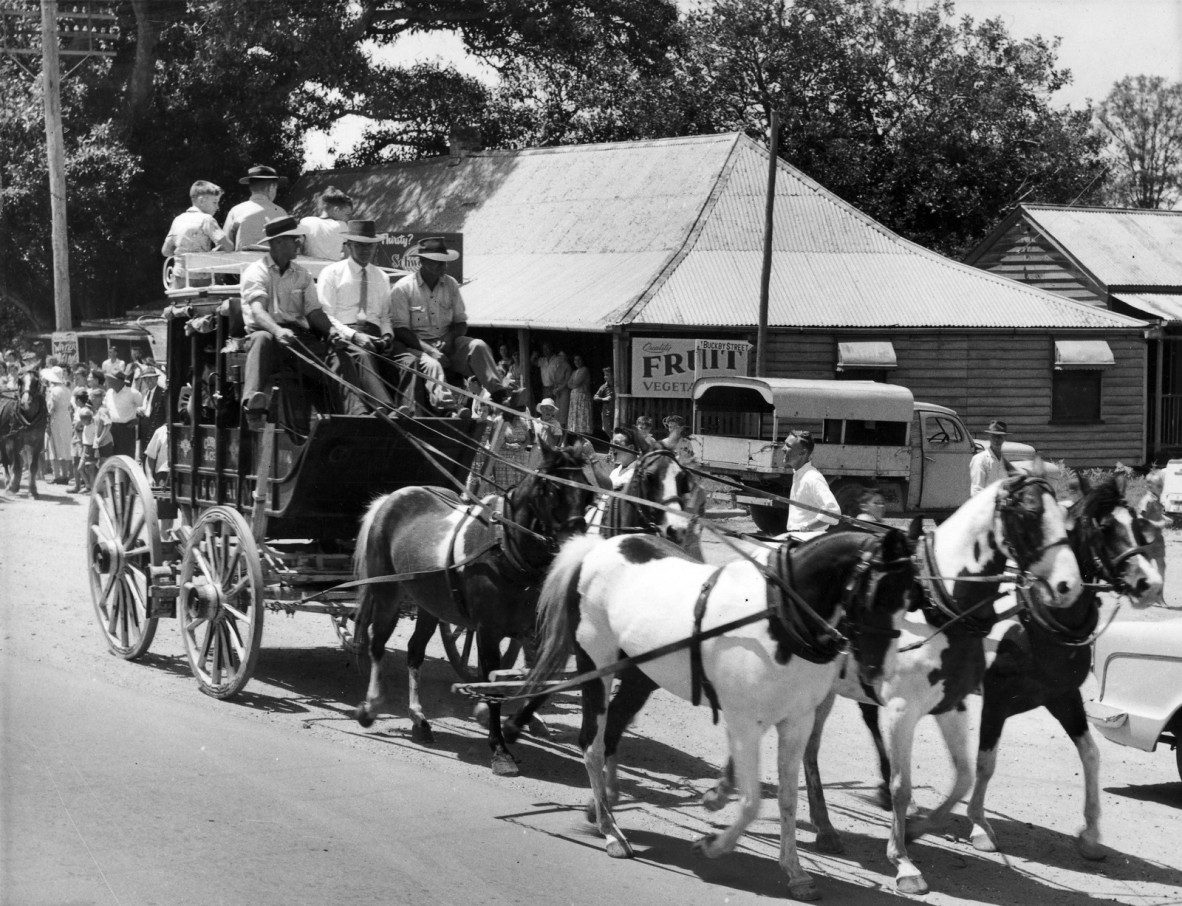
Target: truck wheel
point(847, 494)
point(770, 520)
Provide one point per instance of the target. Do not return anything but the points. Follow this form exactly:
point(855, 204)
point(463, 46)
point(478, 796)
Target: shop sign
point(667, 367)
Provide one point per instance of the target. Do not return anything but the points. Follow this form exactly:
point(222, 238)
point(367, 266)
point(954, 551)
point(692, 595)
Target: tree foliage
point(1143, 117)
point(933, 126)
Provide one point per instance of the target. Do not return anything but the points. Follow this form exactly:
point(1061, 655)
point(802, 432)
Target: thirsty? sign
point(391, 252)
point(668, 367)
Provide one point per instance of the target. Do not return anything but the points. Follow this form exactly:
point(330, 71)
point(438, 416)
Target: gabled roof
point(1118, 247)
point(670, 232)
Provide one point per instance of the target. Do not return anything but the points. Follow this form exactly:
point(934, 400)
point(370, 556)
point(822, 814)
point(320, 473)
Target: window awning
point(1083, 354)
point(873, 354)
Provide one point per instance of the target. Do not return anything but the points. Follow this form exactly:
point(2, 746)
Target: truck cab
point(867, 434)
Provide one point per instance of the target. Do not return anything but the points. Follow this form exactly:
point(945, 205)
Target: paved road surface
point(122, 784)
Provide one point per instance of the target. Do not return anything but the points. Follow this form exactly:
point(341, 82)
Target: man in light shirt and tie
point(355, 295)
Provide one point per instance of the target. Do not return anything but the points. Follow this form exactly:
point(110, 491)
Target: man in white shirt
point(113, 362)
point(325, 234)
point(808, 487)
point(429, 317)
point(123, 405)
point(355, 295)
point(246, 221)
point(989, 465)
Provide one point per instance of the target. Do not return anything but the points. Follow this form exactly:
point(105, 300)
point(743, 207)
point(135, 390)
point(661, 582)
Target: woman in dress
point(580, 397)
point(60, 427)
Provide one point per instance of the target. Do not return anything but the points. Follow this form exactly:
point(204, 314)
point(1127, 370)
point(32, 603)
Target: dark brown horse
point(23, 416)
point(477, 565)
point(1044, 656)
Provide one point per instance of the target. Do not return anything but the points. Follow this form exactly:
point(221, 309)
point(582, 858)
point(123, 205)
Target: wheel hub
point(203, 599)
point(107, 555)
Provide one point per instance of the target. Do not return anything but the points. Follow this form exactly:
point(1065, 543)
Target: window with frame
point(1075, 396)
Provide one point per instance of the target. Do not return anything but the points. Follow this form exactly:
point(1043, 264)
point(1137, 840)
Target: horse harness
point(624, 516)
point(818, 644)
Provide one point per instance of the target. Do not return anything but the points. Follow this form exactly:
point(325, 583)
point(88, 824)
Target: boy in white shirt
point(195, 231)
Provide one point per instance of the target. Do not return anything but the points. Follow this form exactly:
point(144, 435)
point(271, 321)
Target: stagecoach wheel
point(221, 601)
point(123, 543)
point(770, 520)
point(460, 646)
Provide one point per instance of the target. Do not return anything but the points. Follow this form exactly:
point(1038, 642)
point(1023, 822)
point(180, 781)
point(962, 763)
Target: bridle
point(1016, 519)
point(811, 636)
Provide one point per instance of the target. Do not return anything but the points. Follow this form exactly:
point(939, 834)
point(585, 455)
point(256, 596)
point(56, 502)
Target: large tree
point(1142, 115)
point(935, 127)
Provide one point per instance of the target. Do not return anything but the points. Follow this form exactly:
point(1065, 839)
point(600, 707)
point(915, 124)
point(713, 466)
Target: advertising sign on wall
point(667, 367)
point(392, 252)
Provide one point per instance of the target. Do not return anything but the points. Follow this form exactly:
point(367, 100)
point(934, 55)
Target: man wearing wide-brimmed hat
point(246, 221)
point(428, 315)
point(355, 294)
point(280, 306)
point(989, 465)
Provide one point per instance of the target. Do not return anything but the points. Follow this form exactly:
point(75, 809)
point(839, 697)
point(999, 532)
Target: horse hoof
point(714, 800)
point(913, 884)
point(982, 842)
point(829, 842)
point(538, 729)
point(363, 716)
point(803, 889)
point(1090, 849)
point(619, 849)
point(703, 846)
point(503, 765)
point(480, 713)
point(422, 733)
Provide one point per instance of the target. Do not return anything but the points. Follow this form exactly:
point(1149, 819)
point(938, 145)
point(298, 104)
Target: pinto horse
point(476, 565)
point(941, 652)
point(22, 427)
point(1043, 657)
point(637, 593)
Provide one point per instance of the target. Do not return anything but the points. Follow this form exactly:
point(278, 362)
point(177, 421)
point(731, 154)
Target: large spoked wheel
point(459, 644)
point(123, 544)
point(221, 601)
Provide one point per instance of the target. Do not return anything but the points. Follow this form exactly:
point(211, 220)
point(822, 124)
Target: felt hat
point(548, 402)
point(258, 171)
point(996, 427)
point(282, 226)
point(434, 247)
point(53, 374)
point(362, 231)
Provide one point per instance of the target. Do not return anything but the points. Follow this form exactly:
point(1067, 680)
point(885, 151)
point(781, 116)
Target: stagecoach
point(245, 521)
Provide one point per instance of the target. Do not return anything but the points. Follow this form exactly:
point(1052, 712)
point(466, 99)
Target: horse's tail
point(371, 557)
point(557, 606)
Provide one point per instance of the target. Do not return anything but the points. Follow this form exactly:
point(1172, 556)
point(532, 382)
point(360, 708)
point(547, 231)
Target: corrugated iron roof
point(669, 232)
point(1167, 306)
point(1118, 247)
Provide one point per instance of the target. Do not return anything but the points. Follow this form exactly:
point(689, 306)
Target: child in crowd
point(1150, 509)
point(871, 505)
point(156, 456)
point(195, 231)
point(644, 432)
point(79, 403)
point(546, 426)
point(677, 439)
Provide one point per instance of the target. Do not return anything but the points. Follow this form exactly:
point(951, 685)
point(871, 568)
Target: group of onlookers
point(94, 410)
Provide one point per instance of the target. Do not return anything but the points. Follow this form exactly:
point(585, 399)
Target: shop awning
point(1083, 354)
point(873, 354)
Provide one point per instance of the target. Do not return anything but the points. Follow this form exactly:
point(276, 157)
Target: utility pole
point(56, 158)
point(765, 276)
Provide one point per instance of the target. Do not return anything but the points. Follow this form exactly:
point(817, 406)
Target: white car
point(1139, 668)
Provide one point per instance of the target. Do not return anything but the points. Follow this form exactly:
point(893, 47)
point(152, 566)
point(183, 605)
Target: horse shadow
point(1159, 793)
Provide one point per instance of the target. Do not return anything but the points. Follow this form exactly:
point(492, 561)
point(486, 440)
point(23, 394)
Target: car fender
point(1139, 668)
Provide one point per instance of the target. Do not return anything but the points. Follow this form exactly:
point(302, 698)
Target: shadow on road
point(1161, 793)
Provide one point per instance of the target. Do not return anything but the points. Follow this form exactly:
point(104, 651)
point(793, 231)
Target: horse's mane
point(1101, 499)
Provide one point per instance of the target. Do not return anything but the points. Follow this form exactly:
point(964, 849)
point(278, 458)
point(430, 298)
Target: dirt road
point(305, 686)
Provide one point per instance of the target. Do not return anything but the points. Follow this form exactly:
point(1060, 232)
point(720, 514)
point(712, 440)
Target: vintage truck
point(867, 434)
